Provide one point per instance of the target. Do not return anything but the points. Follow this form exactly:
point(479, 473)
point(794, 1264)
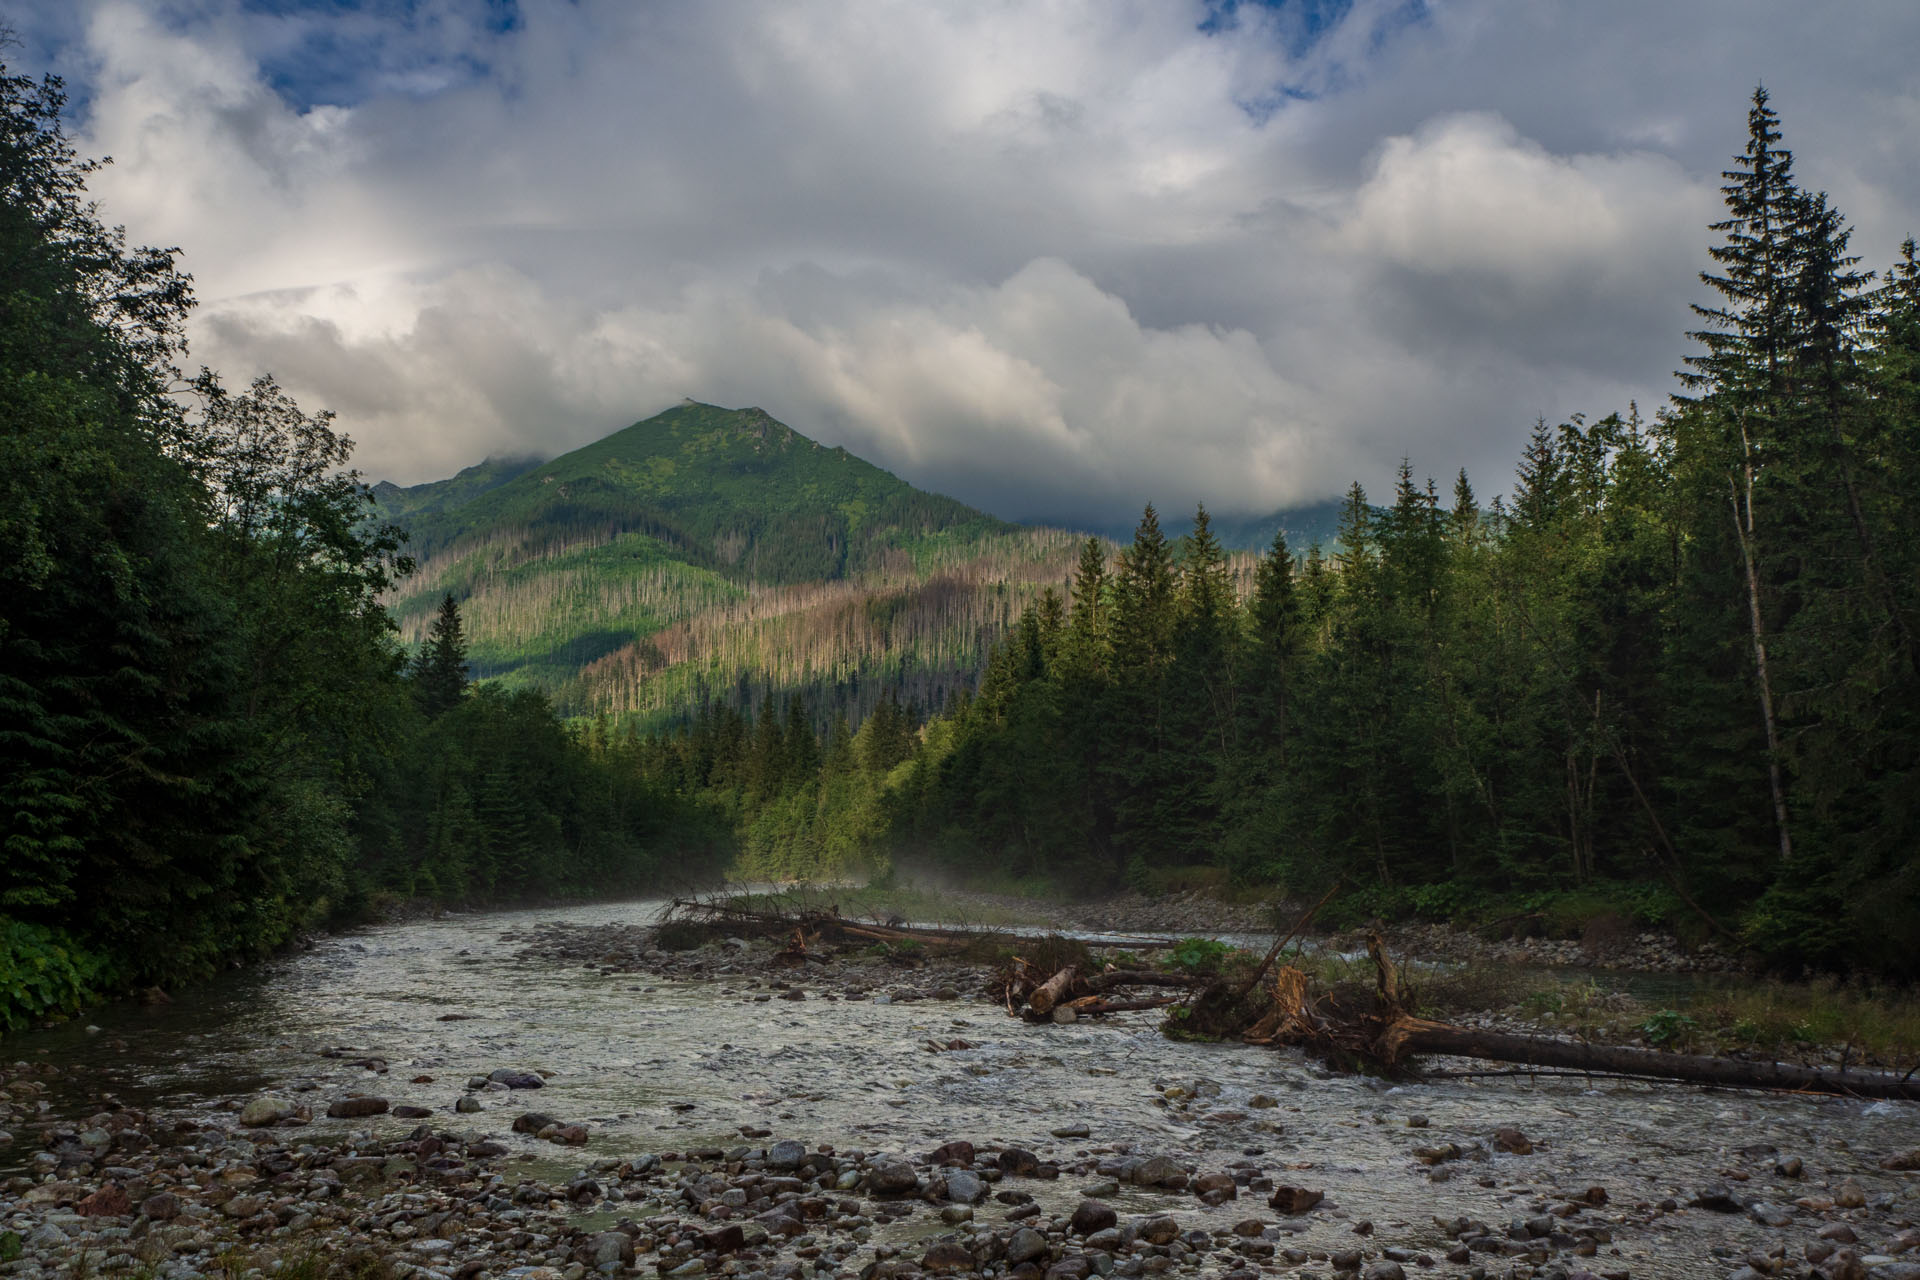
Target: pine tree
point(440, 668)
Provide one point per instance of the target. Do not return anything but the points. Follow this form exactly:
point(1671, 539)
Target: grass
point(1879, 1026)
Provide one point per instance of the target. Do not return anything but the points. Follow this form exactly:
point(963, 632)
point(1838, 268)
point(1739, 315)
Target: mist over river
point(665, 1065)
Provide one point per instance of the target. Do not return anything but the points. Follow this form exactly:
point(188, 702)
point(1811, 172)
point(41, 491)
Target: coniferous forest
point(1674, 673)
point(1675, 669)
point(210, 737)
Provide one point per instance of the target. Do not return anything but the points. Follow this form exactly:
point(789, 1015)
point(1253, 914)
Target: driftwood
point(815, 925)
point(1048, 993)
point(1108, 979)
point(1088, 1005)
point(1407, 1036)
point(1380, 1035)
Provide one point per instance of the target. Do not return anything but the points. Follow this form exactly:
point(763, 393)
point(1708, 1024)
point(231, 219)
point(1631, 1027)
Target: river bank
point(689, 1072)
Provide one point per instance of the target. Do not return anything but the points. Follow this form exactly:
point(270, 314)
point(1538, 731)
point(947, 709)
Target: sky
point(1056, 259)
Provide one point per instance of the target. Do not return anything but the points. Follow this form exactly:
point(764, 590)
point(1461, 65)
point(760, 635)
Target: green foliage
point(45, 974)
point(1198, 955)
point(206, 742)
point(1669, 1027)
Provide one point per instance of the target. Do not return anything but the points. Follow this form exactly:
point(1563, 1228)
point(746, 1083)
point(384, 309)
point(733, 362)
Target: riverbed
point(902, 1063)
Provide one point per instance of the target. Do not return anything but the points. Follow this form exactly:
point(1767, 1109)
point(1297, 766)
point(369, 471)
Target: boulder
point(264, 1110)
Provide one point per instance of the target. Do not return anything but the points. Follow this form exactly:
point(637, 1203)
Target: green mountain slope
point(711, 552)
point(1314, 524)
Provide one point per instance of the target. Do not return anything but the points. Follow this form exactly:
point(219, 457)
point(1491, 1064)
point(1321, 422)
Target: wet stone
point(965, 1188)
point(357, 1108)
point(947, 1257)
point(1092, 1216)
point(1025, 1245)
point(265, 1110)
point(952, 1153)
point(1018, 1161)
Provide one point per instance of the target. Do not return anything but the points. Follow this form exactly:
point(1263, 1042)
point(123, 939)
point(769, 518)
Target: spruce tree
point(440, 668)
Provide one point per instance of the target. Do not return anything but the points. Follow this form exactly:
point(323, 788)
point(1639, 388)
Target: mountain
point(715, 553)
point(1315, 523)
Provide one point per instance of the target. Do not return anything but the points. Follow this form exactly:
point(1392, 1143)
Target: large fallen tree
point(1376, 1033)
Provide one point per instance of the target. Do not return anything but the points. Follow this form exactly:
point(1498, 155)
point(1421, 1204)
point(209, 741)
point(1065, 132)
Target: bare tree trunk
point(1743, 529)
point(1048, 993)
point(1408, 1036)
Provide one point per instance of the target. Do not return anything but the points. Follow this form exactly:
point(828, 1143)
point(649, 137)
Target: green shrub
point(44, 973)
point(1198, 955)
point(1668, 1027)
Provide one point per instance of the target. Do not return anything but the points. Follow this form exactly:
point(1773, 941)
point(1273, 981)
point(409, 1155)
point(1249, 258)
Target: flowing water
point(658, 1065)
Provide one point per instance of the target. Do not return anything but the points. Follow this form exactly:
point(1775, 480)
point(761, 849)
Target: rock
point(265, 1110)
point(1158, 1171)
point(1384, 1269)
point(952, 1153)
point(1074, 1268)
point(244, 1206)
point(1090, 1217)
point(1072, 1131)
point(1905, 1162)
point(355, 1108)
point(955, 1214)
point(1263, 1102)
point(727, 1239)
point(1437, 1155)
point(1018, 1161)
point(162, 1206)
point(1347, 1259)
point(892, 1178)
point(1770, 1215)
point(109, 1201)
point(1026, 1244)
point(412, 1112)
point(947, 1257)
point(1716, 1198)
point(1215, 1189)
point(786, 1154)
point(533, 1122)
point(1416, 1122)
point(518, 1079)
point(571, 1135)
point(1511, 1140)
point(1850, 1196)
point(467, 1104)
point(1791, 1167)
point(1896, 1271)
point(1159, 1230)
point(1294, 1201)
point(965, 1188)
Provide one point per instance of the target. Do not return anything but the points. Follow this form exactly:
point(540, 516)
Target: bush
point(1198, 955)
point(43, 974)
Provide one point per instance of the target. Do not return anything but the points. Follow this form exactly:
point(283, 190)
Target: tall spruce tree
point(440, 668)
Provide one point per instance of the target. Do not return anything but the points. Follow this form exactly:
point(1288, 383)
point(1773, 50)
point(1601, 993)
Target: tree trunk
point(1744, 531)
point(1048, 993)
point(1407, 1036)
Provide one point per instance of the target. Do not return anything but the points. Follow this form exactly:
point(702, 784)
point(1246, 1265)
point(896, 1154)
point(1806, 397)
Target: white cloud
point(1041, 257)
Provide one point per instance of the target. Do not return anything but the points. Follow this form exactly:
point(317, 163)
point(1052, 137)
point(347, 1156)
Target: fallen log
point(1088, 1005)
point(1408, 1036)
point(1144, 978)
point(1048, 993)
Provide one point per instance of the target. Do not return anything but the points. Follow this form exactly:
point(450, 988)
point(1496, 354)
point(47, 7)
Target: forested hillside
point(715, 554)
point(1673, 677)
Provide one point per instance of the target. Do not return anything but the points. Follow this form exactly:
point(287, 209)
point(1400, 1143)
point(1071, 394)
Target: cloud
point(1057, 260)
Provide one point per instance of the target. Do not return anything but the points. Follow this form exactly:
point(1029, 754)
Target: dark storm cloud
point(1053, 259)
